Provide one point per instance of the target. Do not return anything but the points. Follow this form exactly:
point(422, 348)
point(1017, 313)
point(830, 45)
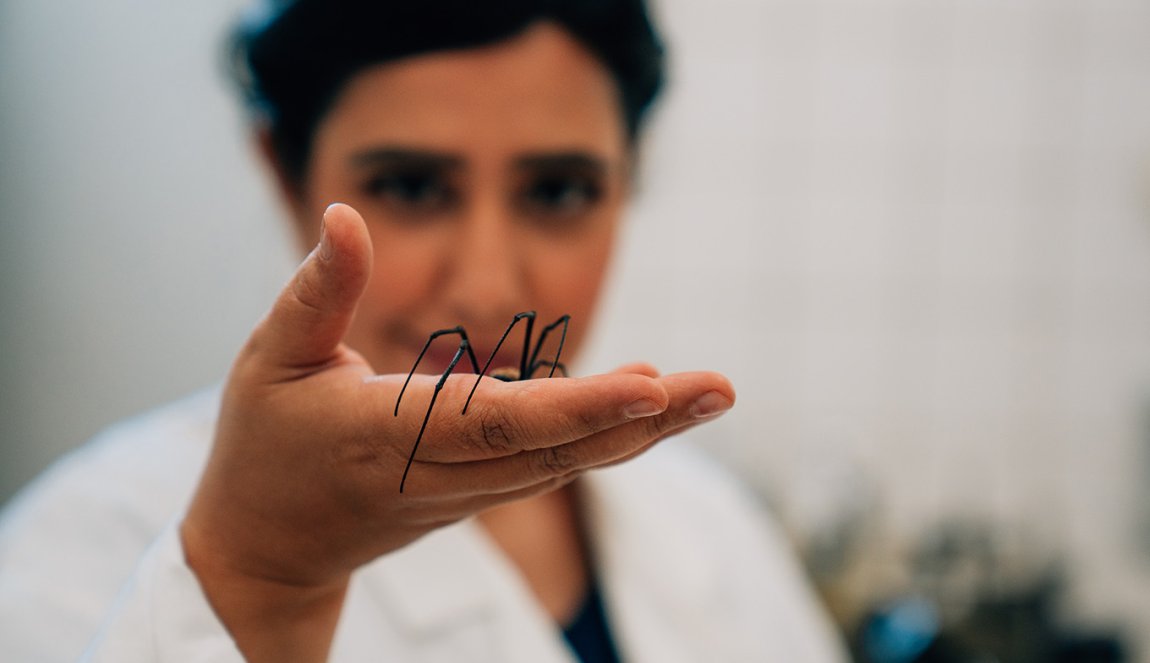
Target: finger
point(508, 418)
point(678, 430)
point(688, 408)
point(479, 500)
point(312, 313)
point(638, 368)
point(693, 398)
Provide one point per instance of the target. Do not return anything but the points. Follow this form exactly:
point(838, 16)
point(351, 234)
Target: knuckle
point(656, 427)
point(556, 461)
point(494, 435)
point(584, 423)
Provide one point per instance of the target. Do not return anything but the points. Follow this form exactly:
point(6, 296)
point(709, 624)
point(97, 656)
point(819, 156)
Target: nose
point(487, 282)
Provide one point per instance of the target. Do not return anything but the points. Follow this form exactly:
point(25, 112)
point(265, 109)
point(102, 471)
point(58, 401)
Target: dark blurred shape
point(901, 631)
point(973, 605)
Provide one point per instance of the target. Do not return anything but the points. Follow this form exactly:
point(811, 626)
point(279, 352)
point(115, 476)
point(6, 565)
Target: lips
point(442, 351)
point(410, 339)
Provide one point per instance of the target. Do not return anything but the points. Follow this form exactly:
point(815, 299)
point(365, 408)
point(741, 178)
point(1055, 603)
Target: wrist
point(270, 618)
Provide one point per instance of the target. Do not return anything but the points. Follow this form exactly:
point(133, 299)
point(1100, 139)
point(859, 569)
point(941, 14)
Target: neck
point(543, 538)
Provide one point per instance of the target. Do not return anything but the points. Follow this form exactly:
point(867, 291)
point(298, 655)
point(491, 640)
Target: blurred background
point(915, 233)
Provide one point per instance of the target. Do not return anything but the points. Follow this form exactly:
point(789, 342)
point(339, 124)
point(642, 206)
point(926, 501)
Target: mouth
point(407, 340)
point(443, 350)
point(437, 359)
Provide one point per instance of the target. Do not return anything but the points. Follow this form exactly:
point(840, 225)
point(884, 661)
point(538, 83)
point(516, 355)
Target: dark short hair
point(292, 59)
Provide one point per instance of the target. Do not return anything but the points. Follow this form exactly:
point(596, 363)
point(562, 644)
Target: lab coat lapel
point(454, 597)
point(658, 588)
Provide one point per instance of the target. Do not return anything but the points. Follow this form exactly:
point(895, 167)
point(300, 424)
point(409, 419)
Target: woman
point(482, 156)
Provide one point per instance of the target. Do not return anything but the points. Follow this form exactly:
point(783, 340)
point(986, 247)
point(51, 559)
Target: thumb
point(305, 326)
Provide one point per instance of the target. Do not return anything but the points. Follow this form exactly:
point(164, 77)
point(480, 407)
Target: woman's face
point(492, 182)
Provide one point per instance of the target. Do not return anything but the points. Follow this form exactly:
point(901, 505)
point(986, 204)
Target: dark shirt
point(588, 634)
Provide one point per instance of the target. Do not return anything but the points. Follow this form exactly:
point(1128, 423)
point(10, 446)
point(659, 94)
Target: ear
point(629, 177)
point(289, 189)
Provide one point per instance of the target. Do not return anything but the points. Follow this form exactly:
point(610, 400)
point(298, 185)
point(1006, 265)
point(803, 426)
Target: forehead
point(541, 89)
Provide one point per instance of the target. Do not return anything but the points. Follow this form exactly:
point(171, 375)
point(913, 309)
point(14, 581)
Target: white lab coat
point(690, 570)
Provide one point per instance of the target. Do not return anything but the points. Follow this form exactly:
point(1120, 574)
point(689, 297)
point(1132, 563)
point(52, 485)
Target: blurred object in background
point(966, 593)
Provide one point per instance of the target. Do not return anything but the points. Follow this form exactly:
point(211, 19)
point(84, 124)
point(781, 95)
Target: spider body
point(529, 364)
point(506, 374)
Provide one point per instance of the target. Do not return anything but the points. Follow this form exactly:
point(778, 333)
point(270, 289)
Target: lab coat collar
point(453, 591)
point(441, 579)
point(658, 588)
point(638, 538)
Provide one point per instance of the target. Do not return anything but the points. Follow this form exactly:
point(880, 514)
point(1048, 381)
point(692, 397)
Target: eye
point(564, 195)
point(414, 191)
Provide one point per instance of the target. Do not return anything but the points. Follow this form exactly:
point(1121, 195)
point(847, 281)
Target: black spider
point(529, 363)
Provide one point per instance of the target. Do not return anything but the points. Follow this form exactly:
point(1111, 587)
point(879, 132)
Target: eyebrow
point(407, 157)
point(563, 161)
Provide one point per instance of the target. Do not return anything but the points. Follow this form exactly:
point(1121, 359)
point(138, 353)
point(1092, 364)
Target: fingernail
point(642, 408)
point(326, 249)
point(710, 404)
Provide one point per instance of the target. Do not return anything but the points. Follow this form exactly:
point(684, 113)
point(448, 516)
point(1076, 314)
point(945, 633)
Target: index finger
point(695, 397)
point(507, 418)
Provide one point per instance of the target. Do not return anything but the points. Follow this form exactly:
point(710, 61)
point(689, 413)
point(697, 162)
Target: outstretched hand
point(302, 484)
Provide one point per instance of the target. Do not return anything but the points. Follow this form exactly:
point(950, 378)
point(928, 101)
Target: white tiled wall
point(915, 233)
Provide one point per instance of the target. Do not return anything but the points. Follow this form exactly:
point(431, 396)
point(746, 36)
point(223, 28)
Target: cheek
point(570, 281)
point(403, 271)
point(583, 282)
point(400, 289)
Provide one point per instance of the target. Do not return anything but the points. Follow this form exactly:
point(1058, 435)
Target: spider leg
point(534, 363)
point(524, 357)
point(553, 364)
point(463, 344)
point(464, 347)
point(530, 317)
